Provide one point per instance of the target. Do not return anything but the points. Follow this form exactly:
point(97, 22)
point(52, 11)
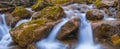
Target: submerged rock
point(50, 12)
point(94, 14)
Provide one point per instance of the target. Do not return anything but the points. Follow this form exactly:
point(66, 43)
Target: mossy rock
point(99, 4)
point(51, 12)
point(115, 39)
point(21, 12)
point(106, 3)
point(30, 32)
point(38, 5)
point(54, 2)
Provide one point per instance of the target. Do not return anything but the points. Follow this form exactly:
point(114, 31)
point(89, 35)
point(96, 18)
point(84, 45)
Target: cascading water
point(50, 42)
point(86, 35)
point(4, 31)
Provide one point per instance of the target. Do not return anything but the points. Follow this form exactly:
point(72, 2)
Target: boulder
point(104, 31)
point(32, 31)
point(50, 12)
point(94, 14)
point(38, 5)
point(106, 3)
point(69, 32)
point(21, 12)
point(69, 29)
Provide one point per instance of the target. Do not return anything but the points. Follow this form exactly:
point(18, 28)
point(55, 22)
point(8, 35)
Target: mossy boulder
point(32, 31)
point(50, 12)
point(21, 12)
point(94, 14)
point(105, 3)
point(39, 5)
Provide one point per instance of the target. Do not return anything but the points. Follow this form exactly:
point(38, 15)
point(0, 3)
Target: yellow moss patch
point(99, 4)
point(51, 12)
point(20, 12)
point(35, 6)
point(115, 39)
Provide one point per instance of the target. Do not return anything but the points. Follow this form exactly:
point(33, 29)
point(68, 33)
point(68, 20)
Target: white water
point(50, 42)
point(4, 33)
point(86, 40)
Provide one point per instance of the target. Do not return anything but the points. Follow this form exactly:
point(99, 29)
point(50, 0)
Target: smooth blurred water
point(4, 33)
point(50, 42)
point(86, 40)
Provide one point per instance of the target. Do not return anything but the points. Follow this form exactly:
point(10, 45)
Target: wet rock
point(21, 12)
point(94, 14)
point(104, 31)
point(32, 31)
point(18, 14)
point(69, 32)
point(105, 3)
point(10, 20)
point(50, 12)
point(69, 28)
point(39, 5)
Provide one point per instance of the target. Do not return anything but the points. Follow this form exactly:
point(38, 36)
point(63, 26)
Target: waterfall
point(86, 40)
point(50, 42)
point(4, 31)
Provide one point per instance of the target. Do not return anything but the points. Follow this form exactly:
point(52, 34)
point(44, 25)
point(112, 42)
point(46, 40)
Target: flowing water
point(50, 42)
point(5, 37)
point(86, 40)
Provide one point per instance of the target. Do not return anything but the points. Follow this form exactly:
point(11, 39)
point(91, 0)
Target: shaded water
point(5, 37)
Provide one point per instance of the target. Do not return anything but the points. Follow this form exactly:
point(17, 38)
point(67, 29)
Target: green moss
point(61, 1)
point(26, 31)
point(36, 6)
point(51, 12)
point(20, 12)
point(99, 4)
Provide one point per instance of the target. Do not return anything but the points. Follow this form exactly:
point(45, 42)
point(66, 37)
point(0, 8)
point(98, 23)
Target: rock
point(105, 3)
point(50, 12)
point(68, 29)
point(104, 30)
point(39, 5)
point(21, 12)
point(32, 31)
point(13, 3)
point(18, 14)
point(31, 46)
point(10, 20)
point(94, 14)
point(69, 32)
point(9, 9)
